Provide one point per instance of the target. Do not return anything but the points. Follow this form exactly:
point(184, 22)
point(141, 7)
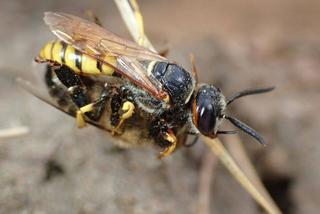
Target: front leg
point(164, 136)
point(168, 136)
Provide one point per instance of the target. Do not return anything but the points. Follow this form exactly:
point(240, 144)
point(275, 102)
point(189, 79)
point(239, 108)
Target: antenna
point(246, 129)
point(248, 92)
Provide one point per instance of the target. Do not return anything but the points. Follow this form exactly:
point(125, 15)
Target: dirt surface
point(238, 44)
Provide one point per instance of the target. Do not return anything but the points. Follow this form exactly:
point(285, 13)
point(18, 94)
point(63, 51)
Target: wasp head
point(208, 110)
point(208, 107)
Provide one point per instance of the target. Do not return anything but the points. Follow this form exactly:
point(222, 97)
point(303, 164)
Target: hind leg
point(78, 93)
point(56, 89)
point(92, 110)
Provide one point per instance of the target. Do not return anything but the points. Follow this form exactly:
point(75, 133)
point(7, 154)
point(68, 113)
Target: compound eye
point(204, 114)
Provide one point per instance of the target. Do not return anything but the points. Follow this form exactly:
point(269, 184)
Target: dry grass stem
point(209, 163)
point(129, 10)
point(237, 150)
point(14, 132)
point(217, 147)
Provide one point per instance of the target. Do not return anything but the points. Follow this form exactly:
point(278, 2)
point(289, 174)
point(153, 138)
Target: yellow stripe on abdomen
point(45, 52)
point(56, 52)
point(70, 57)
point(64, 54)
point(89, 65)
point(93, 66)
point(106, 69)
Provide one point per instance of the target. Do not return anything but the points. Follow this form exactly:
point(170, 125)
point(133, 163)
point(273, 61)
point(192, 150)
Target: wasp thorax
point(175, 80)
point(208, 107)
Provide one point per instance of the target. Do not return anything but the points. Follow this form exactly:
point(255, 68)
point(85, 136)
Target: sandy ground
point(238, 44)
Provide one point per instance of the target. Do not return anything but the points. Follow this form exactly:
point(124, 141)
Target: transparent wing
point(97, 42)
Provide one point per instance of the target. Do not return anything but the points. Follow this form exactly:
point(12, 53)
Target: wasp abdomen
point(176, 81)
point(64, 54)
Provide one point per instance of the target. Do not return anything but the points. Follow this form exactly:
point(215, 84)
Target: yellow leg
point(80, 114)
point(139, 20)
point(169, 136)
point(127, 112)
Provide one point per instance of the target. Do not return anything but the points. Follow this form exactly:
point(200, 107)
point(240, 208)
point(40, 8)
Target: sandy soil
point(238, 44)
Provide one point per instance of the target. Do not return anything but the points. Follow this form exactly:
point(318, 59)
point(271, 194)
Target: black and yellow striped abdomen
point(64, 54)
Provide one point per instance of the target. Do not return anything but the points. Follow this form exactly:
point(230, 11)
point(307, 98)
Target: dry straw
point(14, 132)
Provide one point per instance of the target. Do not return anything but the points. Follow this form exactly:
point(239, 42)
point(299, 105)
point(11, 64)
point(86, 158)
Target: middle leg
point(122, 108)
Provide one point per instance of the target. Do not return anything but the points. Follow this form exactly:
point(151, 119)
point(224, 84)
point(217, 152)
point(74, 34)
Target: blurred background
point(57, 168)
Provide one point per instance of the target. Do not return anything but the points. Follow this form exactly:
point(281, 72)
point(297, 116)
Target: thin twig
point(128, 13)
point(237, 150)
point(209, 163)
point(14, 132)
point(217, 147)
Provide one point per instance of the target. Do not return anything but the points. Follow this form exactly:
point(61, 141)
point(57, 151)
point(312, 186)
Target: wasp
point(134, 93)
